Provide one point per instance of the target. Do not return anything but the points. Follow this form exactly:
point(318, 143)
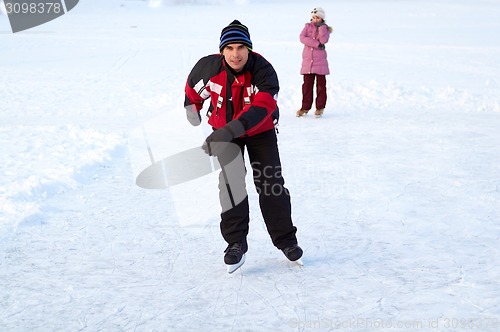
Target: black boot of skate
point(235, 255)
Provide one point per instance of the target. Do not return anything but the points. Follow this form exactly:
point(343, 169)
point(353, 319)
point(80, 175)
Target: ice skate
point(301, 112)
point(319, 112)
point(294, 254)
point(235, 255)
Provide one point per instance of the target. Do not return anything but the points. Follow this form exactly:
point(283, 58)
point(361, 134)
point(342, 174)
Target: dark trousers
point(307, 91)
point(274, 198)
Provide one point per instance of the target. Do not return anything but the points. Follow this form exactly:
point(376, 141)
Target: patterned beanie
point(235, 33)
point(318, 11)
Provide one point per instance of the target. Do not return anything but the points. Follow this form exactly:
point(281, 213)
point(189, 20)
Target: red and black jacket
point(251, 98)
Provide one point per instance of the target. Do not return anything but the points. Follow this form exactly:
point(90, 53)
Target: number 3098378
point(33, 8)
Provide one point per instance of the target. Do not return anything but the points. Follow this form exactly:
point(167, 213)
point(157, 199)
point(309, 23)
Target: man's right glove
point(217, 142)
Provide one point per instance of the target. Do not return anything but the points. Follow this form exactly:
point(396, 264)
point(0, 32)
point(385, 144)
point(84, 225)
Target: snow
point(395, 191)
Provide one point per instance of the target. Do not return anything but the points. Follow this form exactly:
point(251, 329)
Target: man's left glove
point(193, 115)
point(217, 142)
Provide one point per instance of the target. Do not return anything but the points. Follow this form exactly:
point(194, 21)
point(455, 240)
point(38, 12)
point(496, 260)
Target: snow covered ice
point(395, 190)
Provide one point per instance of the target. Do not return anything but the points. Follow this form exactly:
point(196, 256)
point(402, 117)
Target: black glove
point(321, 46)
point(193, 115)
point(217, 142)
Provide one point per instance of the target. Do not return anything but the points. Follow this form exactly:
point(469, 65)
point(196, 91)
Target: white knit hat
point(318, 11)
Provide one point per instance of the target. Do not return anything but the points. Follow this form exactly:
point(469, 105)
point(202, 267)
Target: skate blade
point(233, 267)
point(299, 262)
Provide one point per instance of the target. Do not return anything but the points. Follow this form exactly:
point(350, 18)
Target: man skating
point(243, 88)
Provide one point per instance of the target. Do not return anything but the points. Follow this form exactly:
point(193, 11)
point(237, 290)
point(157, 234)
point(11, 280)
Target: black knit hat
point(235, 33)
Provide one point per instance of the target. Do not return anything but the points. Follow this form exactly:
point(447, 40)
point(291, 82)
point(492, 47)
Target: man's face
point(236, 56)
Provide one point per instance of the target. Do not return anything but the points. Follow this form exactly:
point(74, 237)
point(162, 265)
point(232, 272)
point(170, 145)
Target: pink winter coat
point(314, 60)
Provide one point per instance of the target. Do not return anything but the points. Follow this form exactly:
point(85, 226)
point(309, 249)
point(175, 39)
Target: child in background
point(314, 36)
